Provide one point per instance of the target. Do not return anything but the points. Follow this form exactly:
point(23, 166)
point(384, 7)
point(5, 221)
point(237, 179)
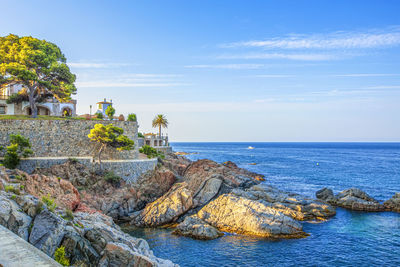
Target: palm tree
point(160, 121)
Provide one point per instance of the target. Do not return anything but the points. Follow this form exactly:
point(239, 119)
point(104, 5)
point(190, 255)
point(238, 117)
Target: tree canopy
point(37, 65)
point(110, 136)
point(160, 121)
point(110, 111)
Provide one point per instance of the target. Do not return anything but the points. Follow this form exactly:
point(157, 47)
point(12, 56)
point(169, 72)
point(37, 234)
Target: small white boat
point(250, 147)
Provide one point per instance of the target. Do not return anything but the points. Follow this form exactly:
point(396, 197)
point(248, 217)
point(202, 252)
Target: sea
point(350, 238)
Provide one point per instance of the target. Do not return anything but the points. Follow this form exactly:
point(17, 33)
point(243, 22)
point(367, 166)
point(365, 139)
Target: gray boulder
point(78, 249)
point(326, 194)
point(12, 217)
point(193, 227)
point(356, 199)
point(47, 232)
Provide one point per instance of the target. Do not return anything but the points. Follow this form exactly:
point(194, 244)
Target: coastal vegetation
point(110, 111)
point(160, 121)
point(50, 203)
point(39, 66)
point(19, 147)
point(132, 117)
point(60, 257)
point(99, 116)
point(112, 178)
point(109, 136)
point(151, 152)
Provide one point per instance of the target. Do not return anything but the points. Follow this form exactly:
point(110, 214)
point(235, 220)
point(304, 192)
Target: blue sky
point(231, 70)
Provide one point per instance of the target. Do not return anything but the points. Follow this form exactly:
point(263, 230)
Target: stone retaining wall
point(66, 138)
point(129, 170)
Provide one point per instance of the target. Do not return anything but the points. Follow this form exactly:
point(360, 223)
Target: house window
point(3, 110)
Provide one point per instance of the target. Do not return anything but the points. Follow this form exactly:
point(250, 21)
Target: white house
point(51, 106)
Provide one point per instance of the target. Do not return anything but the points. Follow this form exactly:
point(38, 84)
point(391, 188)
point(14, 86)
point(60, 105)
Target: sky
point(247, 71)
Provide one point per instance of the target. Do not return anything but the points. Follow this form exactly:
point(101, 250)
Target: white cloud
point(302, 57)
point(102, 84)
point(366, 75)
point(336, 40)
point(91, 65)
point(273, 76)
point(227, 66)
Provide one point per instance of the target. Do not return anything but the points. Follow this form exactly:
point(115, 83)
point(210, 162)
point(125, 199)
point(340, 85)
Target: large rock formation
point(167, 209)
point(117, 201)
point(352, 199)
point(231, 213)
point(294, 205)
point(90, 239)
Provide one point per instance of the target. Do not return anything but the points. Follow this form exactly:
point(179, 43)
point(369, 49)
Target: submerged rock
point(393, 204)
point(231, 213)
point(193, 227)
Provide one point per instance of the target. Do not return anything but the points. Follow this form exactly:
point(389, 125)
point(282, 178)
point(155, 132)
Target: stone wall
point(129, 170)
point(66, 138)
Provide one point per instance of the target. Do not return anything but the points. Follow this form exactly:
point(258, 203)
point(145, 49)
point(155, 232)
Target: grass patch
point(10, 188)
point(51, 205)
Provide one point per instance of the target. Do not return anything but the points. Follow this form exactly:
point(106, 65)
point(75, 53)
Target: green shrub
point(19, 146)
point(112, 178)
point(13, 197)
point(10, 188)
point(132, 117)
point(99, 116)
point(51, 205)
point(59, 256)
point(110, 111)
point(140, 135)
point(22, 187)
point(151, 152)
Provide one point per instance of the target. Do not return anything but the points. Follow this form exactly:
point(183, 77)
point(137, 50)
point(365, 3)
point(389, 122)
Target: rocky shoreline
point(201, 199)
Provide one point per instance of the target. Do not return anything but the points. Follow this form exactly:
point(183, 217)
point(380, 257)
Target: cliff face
point(90, 238)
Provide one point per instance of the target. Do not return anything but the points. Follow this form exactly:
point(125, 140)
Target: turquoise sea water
point(348, 239)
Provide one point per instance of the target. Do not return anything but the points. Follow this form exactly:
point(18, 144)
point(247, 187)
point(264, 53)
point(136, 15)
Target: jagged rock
point(294, 205)
point(166, 209)
point(234, 167)
point(207, 191)
point(198, 172)
point(196, 228)
point(231, 213)
point(393, 204)
point(78, 249)
point(355, 199)
point(117, 247)
point(117, 254)
point(28, 203)
point(12, 218)
point(61, 190)
point(175, 163)
point(47, 232)
point(326, 194)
